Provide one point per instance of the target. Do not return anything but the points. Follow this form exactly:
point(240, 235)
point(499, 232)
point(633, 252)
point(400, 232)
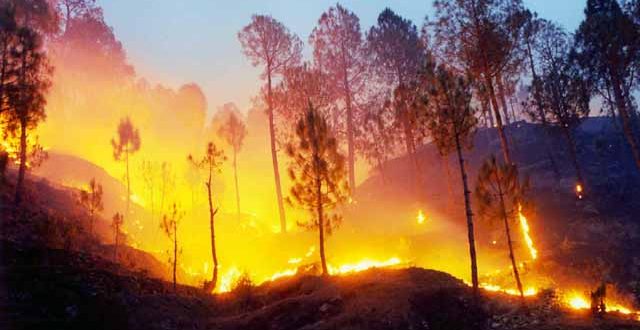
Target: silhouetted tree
point(233, 131)
point(318, 174)
point(8, 38)
point(210, 162)
point(26, 94)
point(91, 199)
point(124, 145)
point(608, 46)
point(300, 85)
point(480, 38)
point(116, 223)
point(451, 121)
point(339, 51)
point(376, 141)
point(499, 194)
point(4, 162)
point(169, 226)
point(562, 92)
point(268, 43)
point(396, 52)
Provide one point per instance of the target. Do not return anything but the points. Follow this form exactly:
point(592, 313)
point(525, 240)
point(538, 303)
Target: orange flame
point(526, 233)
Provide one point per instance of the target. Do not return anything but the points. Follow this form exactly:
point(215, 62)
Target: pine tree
point(91, 199)
point(499, 193)
point(268, 43)
point(169, 225)
point(318, 173)
point(233, 131)
point(116, 224)
point(396, 52)
point(25, 95)
point(560, 90)
point(211, 162)
point(608, 49)
point(124, 146)
point(450, 118)
point(339, 51)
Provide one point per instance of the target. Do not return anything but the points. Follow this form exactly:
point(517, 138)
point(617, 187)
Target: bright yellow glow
point(228, 279)
point(363, 265)
point(526, 233)
point(421, 218)
point(530, 291)
point(577, 301)
point(284, 273)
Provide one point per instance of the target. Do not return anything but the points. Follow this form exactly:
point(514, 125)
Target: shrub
point(242, 291)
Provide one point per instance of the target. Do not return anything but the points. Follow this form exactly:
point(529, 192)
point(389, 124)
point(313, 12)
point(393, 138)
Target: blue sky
point(173, 42)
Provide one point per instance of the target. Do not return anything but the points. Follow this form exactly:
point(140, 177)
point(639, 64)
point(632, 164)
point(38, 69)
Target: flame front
point(526, 233)
point(420, 218)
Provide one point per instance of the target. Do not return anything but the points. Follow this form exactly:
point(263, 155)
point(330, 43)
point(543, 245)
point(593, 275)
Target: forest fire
point(524, 225)
point(232, 275)
point(276, 168)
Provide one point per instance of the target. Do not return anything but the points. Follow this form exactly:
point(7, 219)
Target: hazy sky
point(179, 41)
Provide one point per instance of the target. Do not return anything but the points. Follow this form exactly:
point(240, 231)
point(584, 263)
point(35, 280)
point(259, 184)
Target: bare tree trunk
point(350, 136)
point(128, 182)
point(23, 161)
point(469, 214)
point(411, 152)
point(536, 91)
point(626, 122)
point(211, 285)
point(574, 154)
point(274, 155)
point(496, 111)
point(115, 247)
point(507, 230)
point(503, 99)
point(445, 161)
point(382, 170)
point(323, 259)
point(175, 253)
point(235, 176)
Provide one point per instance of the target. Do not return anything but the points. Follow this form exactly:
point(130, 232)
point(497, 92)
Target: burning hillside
point(482, 171)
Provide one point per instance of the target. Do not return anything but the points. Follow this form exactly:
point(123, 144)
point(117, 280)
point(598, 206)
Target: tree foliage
point(500, 194)
point(91, 199)
point(450, 118)
point(317, 171)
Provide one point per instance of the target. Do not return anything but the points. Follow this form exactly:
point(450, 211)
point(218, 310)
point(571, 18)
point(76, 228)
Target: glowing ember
point(579, 190)
point(421, 218)
point(525, 232)
point(363, 265)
